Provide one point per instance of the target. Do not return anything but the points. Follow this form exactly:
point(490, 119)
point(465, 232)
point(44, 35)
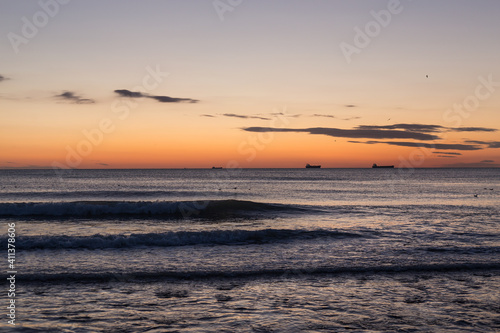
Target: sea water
point(252, 250)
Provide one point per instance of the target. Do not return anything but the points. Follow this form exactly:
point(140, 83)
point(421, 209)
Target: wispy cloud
point(3, 78)
point(445, 153)
point(487, 161)
point(441, 146)
point(417, 132)
point(350, 106)
point(350, 133)
point(489, 144)
point(161, 99)
point(297, 115)
point(407, 127)
point(473, 129)
point(233, 115)
point(323, 115)
point(426, 128)
point(250, 116)
point(332, 116)
point(72, 98)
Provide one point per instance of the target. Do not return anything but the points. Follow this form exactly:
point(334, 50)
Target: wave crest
point(181, 238)
point(176, 209)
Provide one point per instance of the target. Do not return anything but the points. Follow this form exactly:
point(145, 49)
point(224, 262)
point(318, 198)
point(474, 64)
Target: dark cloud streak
point(350, 133)
point(233, 115)
point(489, 144)
point(71, 97)
point(407, 127)
point(473, 129)
point(332, 116)
point(161, 99)
point(444, 153)
point(441, 146)
point(424, 128)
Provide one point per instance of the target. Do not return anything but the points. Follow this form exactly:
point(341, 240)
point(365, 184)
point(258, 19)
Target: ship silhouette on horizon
point(375, 166)
point(309, 166)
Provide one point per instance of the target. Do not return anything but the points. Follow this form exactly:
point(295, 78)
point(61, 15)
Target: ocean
point(251, 250)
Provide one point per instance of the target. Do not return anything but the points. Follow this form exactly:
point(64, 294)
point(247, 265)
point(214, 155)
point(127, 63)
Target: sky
point(249, 83)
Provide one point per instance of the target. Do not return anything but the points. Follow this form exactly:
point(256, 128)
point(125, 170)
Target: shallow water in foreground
point(281, 250)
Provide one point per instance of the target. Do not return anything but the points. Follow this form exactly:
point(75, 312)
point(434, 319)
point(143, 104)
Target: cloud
point(350, 106)
point(407, 127)
point(494, 144)
point(167, 99)
point(442, 146)
point(350, 133)
point(285, 114)
point(128, 93)
point(244, 116)
point(161, 99)
point(417, 132)
point(487, 161)
point(332, 116)
point(2, 78)
point(425, 128)
point(71, 97)
point(489, 144)
point(324, 115)
point(447, 156)
point(473, 129)
point(444, 153)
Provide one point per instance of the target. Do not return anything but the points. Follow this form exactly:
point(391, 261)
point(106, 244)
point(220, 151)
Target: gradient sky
point(249, 83)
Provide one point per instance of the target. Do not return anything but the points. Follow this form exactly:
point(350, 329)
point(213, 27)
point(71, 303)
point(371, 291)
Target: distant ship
point(375, 166)
point(216, 167)
point(309, 166)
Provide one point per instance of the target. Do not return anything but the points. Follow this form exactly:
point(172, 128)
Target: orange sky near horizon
point(172, 85)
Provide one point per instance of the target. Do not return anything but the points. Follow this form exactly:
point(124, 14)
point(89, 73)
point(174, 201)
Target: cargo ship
point(309, 166)
point(375, 166)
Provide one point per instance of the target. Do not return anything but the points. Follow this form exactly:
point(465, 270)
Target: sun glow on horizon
point(195, 91)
